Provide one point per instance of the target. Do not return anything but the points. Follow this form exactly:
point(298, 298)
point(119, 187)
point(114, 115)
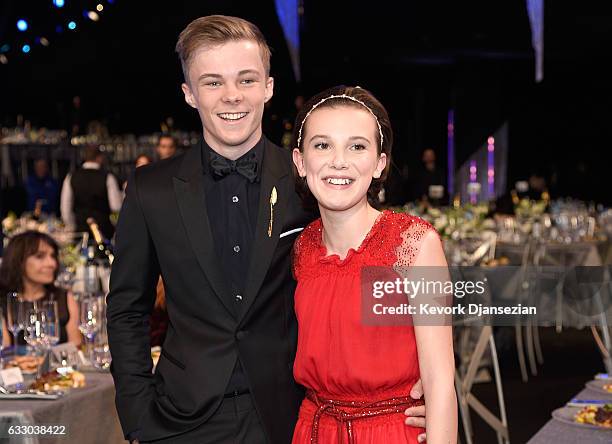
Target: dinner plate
point(567, 414)
point(51, 395)
point(597, 386)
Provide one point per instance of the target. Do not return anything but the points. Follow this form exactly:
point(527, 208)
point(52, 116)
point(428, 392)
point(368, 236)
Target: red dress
point(338, 357)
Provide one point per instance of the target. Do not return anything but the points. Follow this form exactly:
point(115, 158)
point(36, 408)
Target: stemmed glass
point(51, 322)
point(101, 358)
point(52, 325)
point(90, 319)
point(35, 333)
point(14, 314)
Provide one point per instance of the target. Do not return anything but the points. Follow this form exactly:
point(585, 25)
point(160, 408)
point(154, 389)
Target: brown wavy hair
point(215, 30)
point(379, 111)
point(19, 249)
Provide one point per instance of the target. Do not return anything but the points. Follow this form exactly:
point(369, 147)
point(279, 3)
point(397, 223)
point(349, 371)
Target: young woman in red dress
point(358, 377)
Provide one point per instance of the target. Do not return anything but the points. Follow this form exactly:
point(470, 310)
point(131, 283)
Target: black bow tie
point(245, 166)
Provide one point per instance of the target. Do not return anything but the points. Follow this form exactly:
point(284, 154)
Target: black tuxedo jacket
point(164, 229)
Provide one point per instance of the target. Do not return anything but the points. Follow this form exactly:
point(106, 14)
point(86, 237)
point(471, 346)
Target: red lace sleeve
point(413, 230)
point(305, 248)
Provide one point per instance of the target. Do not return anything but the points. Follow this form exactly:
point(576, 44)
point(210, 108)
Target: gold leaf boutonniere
point(273, 199)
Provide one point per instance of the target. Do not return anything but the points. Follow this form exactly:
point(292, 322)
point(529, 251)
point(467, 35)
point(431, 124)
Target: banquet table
point(88, 414)
point(557, 432)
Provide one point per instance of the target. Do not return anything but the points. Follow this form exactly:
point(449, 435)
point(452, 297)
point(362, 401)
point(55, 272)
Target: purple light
point(450, 151)
point(473, 171)
point(491, 168)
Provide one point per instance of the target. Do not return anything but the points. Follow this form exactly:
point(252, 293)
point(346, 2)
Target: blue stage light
point(72, 25)
point(22, 25)
point(58, 3)
point(25, 48)
point(59, 29)
point(5, 48)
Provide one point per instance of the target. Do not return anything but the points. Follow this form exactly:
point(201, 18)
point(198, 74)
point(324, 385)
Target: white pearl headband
point(340, 96)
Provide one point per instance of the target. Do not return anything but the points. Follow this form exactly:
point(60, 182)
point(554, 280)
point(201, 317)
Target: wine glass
point(26, 306)
point(14, 314)
point(101, 357)
point(35, 326)
point(52, 324)
point(90, 314)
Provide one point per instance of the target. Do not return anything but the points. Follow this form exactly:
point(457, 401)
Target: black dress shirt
point(232, 202)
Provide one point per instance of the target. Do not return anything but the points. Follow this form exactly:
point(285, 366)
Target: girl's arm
point(436, 358)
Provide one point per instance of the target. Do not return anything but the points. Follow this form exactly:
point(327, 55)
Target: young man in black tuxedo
point(218, 223)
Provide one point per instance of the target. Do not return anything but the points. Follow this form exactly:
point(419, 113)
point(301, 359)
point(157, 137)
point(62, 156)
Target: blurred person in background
point(142, 160)
point(90, 192)
point(29, 267)
point(537, 185)
point(429, 175)
point(42, 189)
point(166, 146)
point(78, 120)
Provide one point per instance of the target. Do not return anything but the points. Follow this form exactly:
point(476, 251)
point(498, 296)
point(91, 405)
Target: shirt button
point(239, 297)
point(235, 199)
point(237, 248)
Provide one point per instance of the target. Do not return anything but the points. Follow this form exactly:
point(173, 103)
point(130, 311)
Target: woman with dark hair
point(29, 267)
point(359, 377)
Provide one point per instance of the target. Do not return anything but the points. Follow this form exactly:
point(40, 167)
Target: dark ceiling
point(420, 58)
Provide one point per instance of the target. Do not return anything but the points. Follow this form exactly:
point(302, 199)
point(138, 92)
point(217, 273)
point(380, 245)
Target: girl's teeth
point(338, 181)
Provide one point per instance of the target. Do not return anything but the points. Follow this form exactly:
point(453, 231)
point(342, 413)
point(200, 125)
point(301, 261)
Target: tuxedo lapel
point(275, 175)
point(189, 190)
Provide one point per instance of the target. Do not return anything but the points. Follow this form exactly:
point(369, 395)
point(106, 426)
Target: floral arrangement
point(526, 208)
point(454, 222)
point(13, 225)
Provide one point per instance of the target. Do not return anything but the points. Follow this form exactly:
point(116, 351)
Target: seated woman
point(29, 267)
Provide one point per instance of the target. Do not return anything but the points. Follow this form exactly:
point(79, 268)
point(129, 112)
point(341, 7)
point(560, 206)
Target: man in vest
point(90, 192)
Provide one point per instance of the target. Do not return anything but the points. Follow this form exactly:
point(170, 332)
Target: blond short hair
point(215, 30)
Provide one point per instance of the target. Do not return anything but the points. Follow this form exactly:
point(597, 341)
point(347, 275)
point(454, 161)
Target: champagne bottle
point(104, 246)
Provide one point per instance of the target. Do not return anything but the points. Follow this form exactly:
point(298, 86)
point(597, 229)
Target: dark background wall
point(419, 58)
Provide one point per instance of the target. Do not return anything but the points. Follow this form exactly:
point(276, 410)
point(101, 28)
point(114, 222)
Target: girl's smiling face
point(340, 155)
